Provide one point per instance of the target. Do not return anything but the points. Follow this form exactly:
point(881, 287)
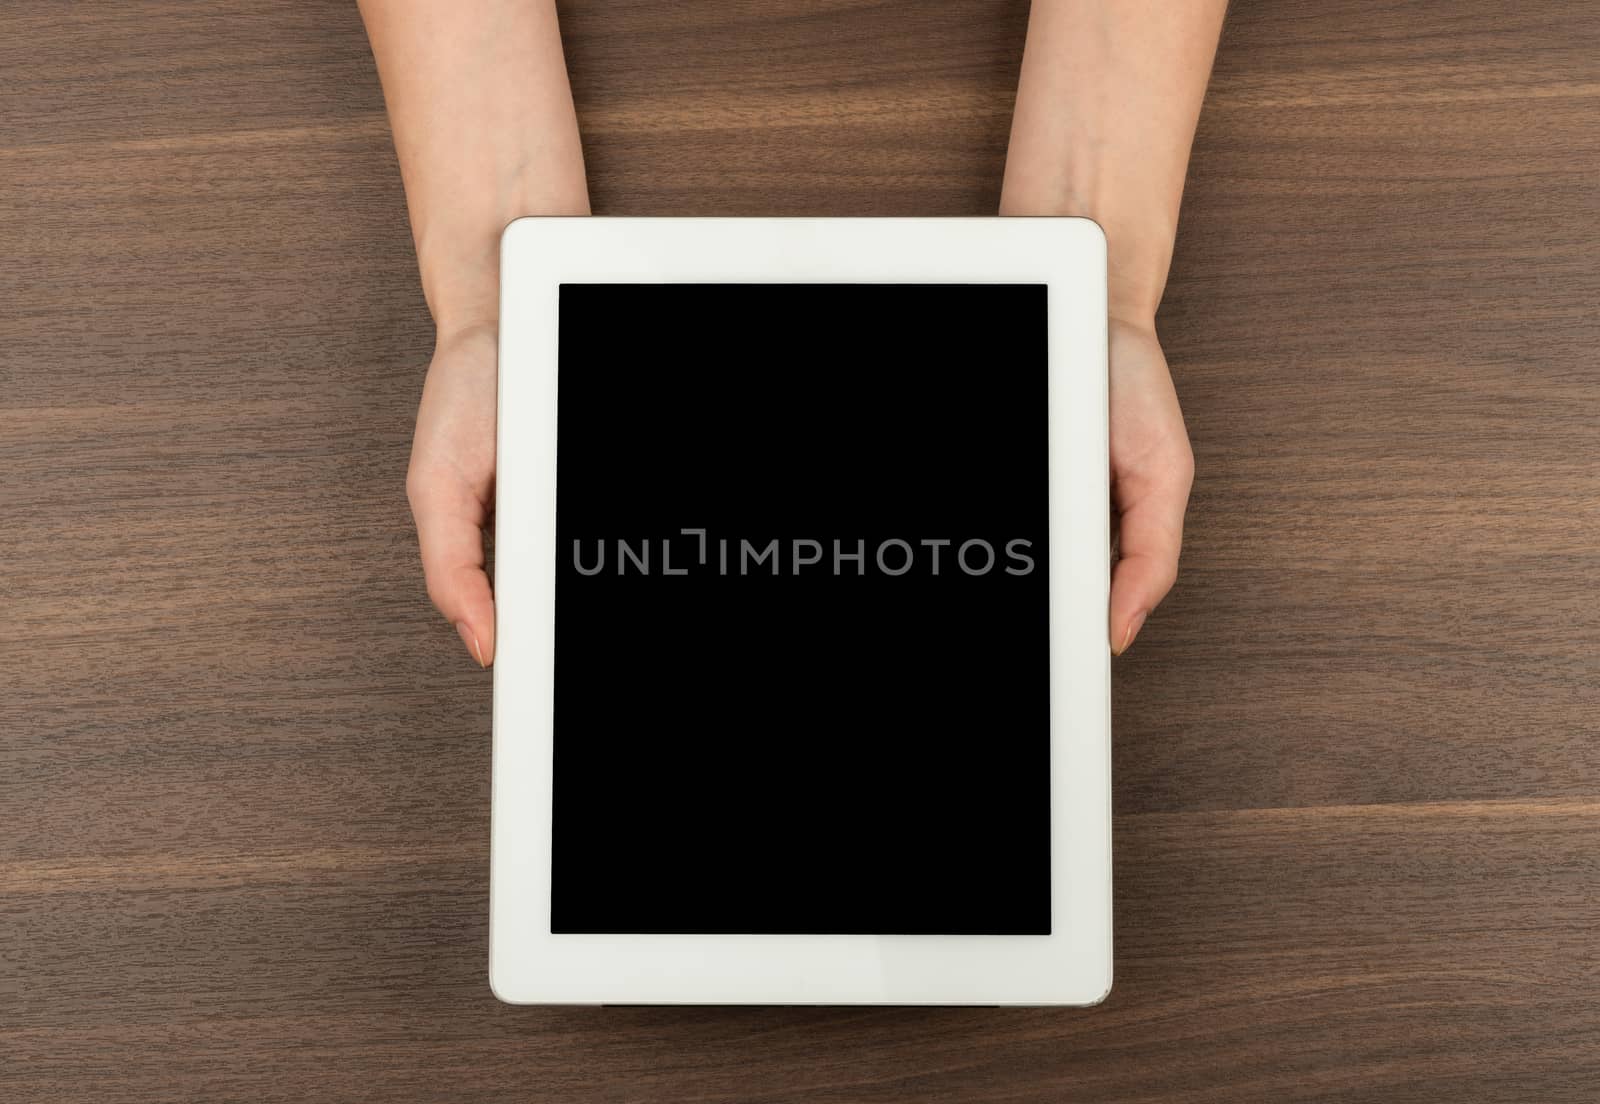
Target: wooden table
point(244, 768)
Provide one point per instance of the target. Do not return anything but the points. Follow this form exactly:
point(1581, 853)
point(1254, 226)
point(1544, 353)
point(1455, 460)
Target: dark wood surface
point(244, 768)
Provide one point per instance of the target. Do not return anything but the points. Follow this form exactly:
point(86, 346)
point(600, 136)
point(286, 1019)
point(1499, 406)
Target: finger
point(450, 533)
point(1150, 534)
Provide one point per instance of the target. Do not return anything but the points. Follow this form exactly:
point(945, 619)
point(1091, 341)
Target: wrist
point(1138, 247)
point(458, 252)
point(462, 287)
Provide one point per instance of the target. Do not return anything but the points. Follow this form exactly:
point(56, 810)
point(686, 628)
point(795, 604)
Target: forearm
point(485, 132)
point(1106, 109)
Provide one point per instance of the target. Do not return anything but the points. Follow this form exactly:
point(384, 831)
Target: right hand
point(451, 481)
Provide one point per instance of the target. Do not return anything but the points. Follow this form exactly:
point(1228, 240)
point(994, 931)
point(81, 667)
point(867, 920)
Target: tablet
point(802, 683)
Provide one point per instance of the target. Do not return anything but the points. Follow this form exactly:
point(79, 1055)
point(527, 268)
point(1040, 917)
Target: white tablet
point(802, 684)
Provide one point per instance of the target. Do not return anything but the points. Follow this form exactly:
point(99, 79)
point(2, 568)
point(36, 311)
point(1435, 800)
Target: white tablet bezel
point(529, 964)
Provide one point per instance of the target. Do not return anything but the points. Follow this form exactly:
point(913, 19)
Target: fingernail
point(470, 639)
point(1133, 631)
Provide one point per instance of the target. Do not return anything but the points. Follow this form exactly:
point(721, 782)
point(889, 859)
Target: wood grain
point(244, 769)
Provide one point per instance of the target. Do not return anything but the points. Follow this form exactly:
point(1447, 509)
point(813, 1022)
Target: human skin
point(1106, 108)
point(485, 131)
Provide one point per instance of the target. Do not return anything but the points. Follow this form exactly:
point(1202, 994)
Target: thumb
point(450, 533)
point(1150, 538)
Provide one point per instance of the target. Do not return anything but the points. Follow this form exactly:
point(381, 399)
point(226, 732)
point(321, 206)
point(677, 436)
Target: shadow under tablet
point(784, 738)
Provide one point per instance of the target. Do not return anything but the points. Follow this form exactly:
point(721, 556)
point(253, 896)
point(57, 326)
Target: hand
point(451, 481)
point(485, 131)
point(1152, 468)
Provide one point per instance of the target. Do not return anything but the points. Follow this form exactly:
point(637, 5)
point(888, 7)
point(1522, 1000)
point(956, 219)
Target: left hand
point(1152, 468)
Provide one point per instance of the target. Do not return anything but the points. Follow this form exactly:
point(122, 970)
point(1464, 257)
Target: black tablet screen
point(802, 638)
